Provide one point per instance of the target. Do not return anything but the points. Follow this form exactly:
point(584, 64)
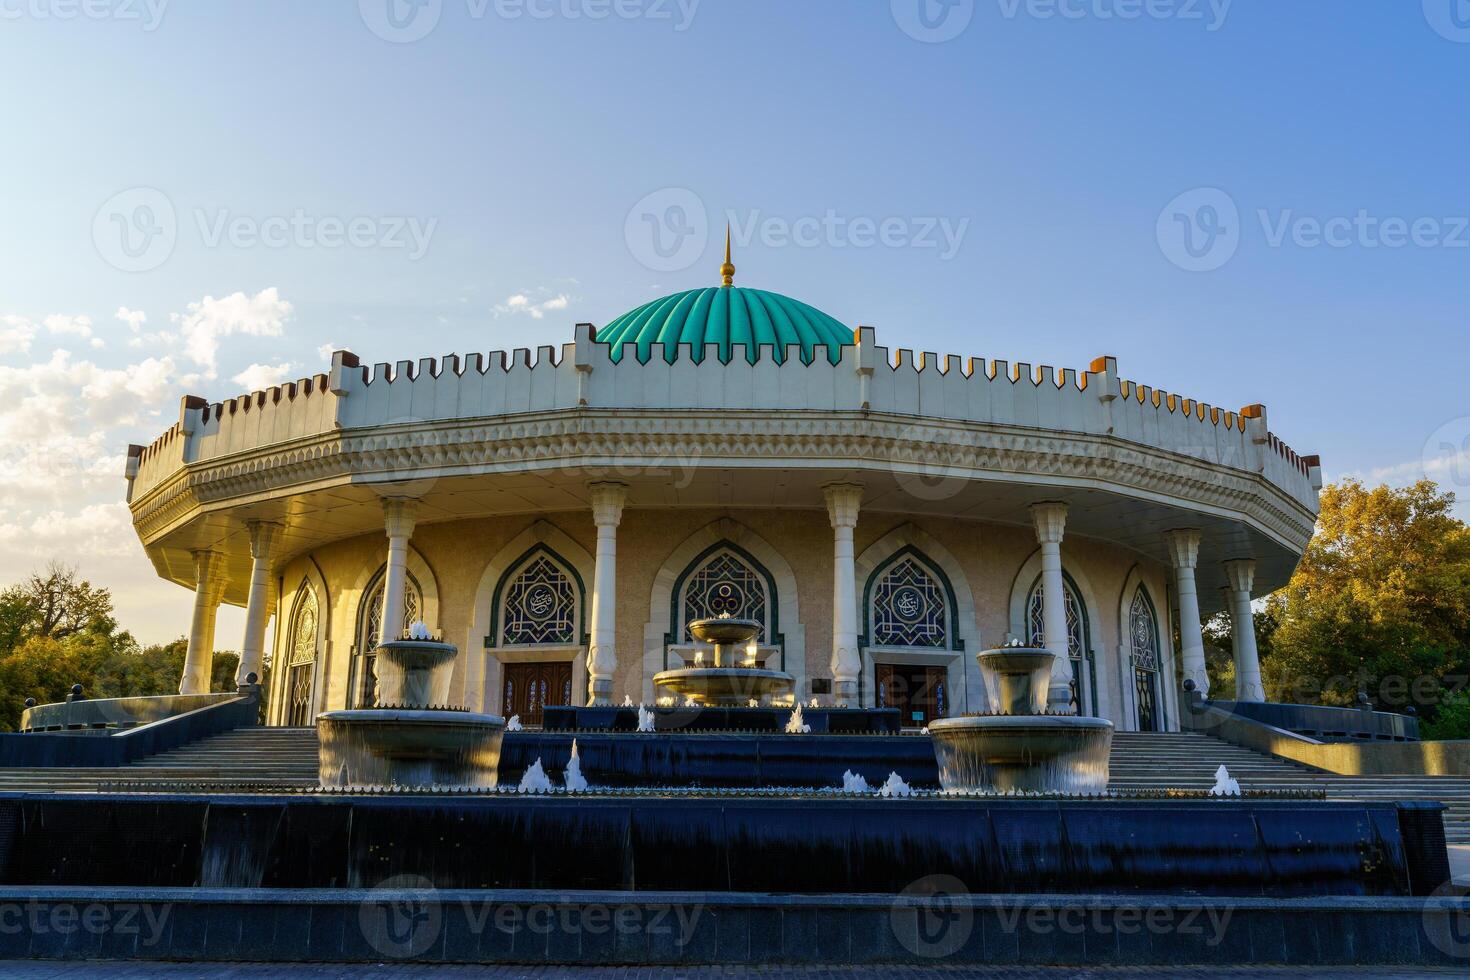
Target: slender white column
point(1051, 525)
point(1242, 577)
point(259, 603)
point(843, 502)
point(1184, 556)
point(209, 586)
point(399, 517)
point(602, 656)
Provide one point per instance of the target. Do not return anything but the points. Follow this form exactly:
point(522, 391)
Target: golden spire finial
point(727, 271)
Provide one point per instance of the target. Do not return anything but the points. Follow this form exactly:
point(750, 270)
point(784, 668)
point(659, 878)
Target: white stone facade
point(989, 479)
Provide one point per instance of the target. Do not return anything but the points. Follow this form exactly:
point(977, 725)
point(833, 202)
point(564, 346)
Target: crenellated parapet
point(858, 380)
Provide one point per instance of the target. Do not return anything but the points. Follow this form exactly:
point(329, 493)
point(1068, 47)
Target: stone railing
point(866, 378)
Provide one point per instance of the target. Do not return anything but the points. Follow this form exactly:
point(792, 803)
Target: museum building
point(562, 517)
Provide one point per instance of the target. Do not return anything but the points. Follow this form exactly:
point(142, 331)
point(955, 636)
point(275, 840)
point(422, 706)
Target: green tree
point(53, 605)
point(1380, 602)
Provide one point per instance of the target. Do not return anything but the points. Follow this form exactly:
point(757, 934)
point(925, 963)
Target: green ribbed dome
point(726, 315)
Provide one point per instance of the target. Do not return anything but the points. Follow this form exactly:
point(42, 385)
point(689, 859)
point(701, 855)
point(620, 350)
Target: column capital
point(262, 537)
point(607, 503)
point(400, 514)
point(844, 500)
point(1183, 547)
point(1241, 573)
point(1050, 518)
point(208, 574)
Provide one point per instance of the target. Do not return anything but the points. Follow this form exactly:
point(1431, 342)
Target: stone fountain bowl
point(388, 747)
point(414, 673)
point(724, 631)
point(1019, 678)
point(1023, 753)
point(727, 687)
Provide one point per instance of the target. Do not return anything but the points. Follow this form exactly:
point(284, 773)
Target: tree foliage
point(57, 630)
point(1380, 602)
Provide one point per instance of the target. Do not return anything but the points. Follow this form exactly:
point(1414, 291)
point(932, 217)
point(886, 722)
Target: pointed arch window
point(364, 682)
point(539, 605)
point(724, 583)
point(301, 661)
point(1078, 640)
point(1143, 643)
point(910, 608)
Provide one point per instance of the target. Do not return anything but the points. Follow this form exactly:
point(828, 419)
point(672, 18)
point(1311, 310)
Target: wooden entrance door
point(921, 694)
point(531, 687)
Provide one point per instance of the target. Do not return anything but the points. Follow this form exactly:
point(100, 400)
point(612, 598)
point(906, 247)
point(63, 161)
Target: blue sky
point(496, 173)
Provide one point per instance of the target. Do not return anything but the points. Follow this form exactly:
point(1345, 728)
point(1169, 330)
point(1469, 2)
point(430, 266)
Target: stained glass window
point(412, 603)
point(909, 608)
point(725, 585)
point(1143, 631)
point(540, 605)
point(304, 628)
point(1076, 623)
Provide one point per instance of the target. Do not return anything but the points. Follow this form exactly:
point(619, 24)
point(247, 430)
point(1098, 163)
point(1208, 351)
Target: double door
point(529, 688)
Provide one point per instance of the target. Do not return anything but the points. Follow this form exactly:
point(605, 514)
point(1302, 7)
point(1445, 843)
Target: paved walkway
point(29, 970)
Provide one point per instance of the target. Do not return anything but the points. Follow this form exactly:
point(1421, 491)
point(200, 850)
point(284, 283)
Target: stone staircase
point(286, 757)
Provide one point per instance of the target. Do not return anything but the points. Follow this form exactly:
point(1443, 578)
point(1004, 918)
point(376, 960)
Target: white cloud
point(16, 334)
point(325, 352)
point(96, 529)
point(260, 376)
point(210, 319)
point(521, 303)
point(75, 326)
point(133, 318)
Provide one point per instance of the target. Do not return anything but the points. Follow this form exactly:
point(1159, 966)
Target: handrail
point(1449, 758)
point(108, 713)
point(123, 747)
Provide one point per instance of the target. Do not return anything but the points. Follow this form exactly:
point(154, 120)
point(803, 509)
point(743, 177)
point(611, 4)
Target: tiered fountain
point(411, 739)
point(1021, 748)
point(728, 683)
